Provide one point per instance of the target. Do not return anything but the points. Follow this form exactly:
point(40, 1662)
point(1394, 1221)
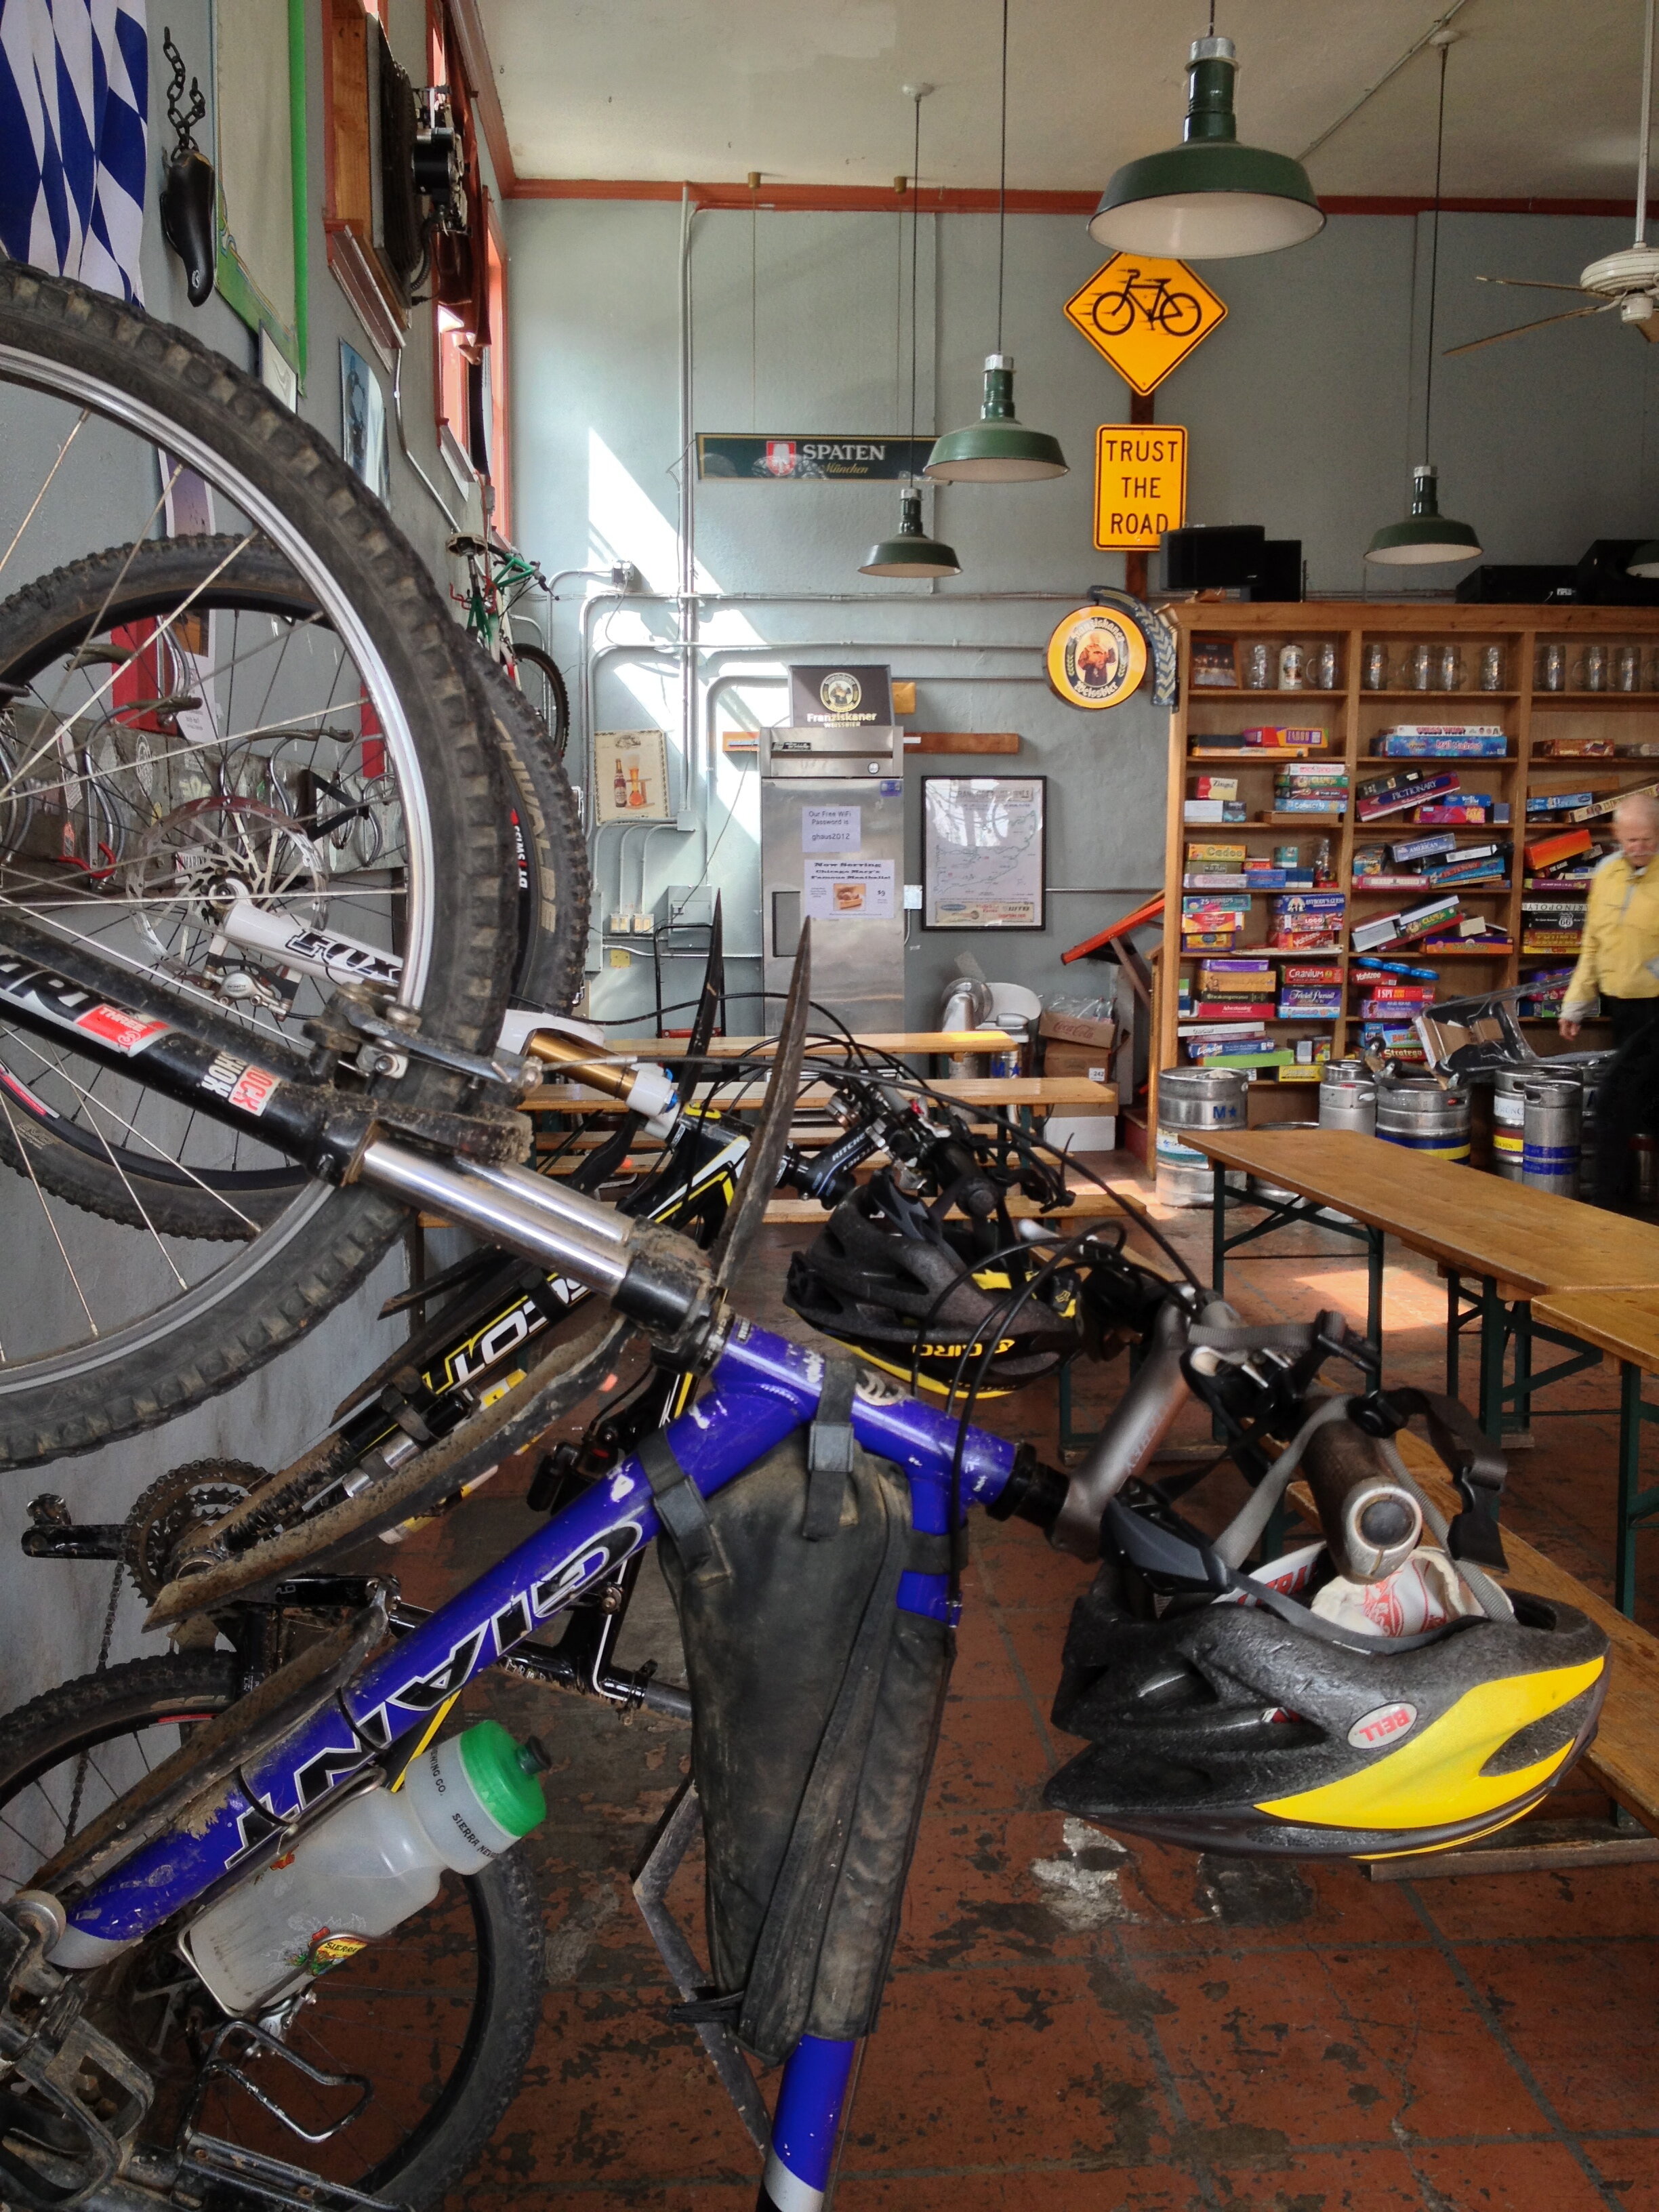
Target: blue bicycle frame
point(764, 1386)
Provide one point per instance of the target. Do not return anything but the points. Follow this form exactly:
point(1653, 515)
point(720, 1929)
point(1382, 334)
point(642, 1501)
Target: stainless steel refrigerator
point(832, 847)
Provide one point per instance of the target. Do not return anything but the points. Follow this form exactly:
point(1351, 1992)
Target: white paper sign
point(831, 829)
point(848, 890)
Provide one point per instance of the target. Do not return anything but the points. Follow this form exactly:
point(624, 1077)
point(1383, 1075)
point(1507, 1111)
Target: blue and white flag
point(74, 108)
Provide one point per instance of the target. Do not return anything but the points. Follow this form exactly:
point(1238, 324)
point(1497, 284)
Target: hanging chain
point(81, 1764)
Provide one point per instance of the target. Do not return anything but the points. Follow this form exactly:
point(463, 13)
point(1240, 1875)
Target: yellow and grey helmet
point(1262, 1728)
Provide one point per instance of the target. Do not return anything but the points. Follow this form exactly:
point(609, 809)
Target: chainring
point(177, 1506)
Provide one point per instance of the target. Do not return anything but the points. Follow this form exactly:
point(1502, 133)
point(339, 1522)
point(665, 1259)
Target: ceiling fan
point(1627, 280)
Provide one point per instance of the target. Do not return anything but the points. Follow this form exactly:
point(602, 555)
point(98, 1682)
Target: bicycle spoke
point(163, 1152)
point(178, 611)
point(28, 1163)
point(34, 503)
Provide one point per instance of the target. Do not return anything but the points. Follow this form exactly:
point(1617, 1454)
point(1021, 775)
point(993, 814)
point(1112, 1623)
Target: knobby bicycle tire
point(452, 2129)
point(558, 722)
point(65, 340)
point(555, 891)
point(48, 618)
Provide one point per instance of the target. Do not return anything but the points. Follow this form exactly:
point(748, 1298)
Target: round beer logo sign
point(841, 691)
point(1096, 657)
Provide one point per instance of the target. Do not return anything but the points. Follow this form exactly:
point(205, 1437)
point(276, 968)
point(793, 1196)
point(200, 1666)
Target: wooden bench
point(1623, 1758)
point(1029, 1095)
point(1624, 1325)
point(906, 1043)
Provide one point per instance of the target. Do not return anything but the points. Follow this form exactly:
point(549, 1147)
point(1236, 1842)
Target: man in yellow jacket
point(1619, 964)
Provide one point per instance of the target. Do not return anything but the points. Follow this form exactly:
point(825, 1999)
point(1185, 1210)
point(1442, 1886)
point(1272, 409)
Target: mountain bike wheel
point(543, 684)
point(439, 2014)
point(106, 1327)
point(279, 813)
point(554, 887)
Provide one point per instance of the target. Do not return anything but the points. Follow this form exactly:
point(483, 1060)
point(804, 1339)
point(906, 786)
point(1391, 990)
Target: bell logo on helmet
point(1386, 1724)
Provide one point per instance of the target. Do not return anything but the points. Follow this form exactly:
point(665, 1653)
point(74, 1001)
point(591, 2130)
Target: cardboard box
point(1091, 1059)
point(1076, 1029)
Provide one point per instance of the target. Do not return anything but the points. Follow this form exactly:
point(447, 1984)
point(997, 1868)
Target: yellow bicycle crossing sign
point(1144, 315)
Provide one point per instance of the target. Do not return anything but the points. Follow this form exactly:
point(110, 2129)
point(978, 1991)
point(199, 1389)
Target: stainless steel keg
point(1509, 1105)
point(1347, 1097)
point(1414, 1112)
point(1550, 1154)
point(1189, 1099)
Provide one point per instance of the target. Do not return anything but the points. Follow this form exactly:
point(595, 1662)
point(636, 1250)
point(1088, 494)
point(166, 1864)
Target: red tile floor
point(1077, 2021)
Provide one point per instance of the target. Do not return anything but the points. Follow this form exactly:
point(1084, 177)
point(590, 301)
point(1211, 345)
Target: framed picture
point(363, 422)
point(984, 852)
point(259, 146)
point(631, 775)
point(1212, 665)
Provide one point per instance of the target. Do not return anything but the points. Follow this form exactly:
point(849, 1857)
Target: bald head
point(1636, 825)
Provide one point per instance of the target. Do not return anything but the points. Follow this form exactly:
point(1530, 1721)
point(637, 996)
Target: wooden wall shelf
point(1352, 715)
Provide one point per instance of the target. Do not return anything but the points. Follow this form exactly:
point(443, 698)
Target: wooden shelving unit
point(1353, 717)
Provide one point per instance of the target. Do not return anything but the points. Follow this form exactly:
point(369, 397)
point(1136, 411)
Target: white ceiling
point(1541, 94)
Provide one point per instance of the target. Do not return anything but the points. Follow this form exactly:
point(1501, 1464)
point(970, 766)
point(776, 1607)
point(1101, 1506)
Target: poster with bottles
point(630, 774)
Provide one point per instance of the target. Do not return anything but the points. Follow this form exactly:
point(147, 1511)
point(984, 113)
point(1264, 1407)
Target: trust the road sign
point(1140, 485)
point(1144, 315)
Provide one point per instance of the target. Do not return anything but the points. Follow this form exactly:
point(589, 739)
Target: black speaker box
point(1281, 570)
point(1602, 577)
point(1493, 584)
point(1213, 556)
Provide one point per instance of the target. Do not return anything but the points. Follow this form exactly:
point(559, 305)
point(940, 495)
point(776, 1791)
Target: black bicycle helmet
point(885, 1277)
point(1260, 1728)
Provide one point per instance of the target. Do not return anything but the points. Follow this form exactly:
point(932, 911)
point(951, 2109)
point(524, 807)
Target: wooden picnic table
point(1516, 1241)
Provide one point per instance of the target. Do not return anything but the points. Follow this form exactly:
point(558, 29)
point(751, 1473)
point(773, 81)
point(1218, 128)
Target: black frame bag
point(817, 1706)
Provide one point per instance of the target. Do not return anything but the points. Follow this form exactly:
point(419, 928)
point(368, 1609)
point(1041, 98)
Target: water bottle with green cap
point(382, 1857)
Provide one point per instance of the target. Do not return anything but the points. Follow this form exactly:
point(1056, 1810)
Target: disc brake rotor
point(192, 866)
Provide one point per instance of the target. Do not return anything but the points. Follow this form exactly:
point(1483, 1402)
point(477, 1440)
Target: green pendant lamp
point(1427, 536)
point(911, 553)
point(998, 448)
point(1209, 199)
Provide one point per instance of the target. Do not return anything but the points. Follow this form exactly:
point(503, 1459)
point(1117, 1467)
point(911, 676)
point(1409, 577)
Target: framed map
point(983, 852)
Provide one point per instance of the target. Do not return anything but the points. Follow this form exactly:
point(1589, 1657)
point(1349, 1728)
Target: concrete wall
point(1305, 410)
point(54, 1613)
